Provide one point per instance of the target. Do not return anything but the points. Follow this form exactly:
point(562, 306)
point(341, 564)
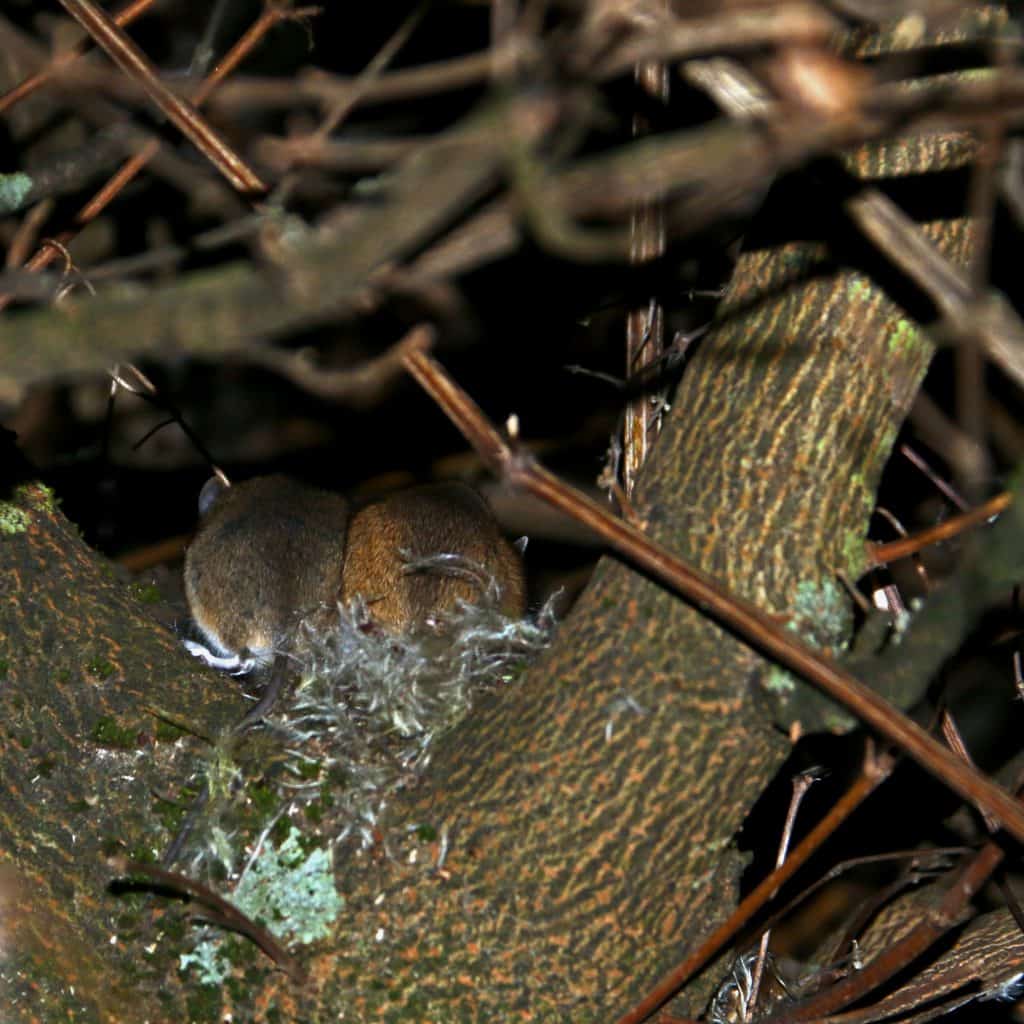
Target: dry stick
point(226, 913)
point(951, 734)
point(924, 934)
point(969, 356)
point(755, 626)
point(801, 784)
point(109, 35)
point(882, 554)
point(941, 485)
point(29, 85)
point(876, 769)
point(960, 451)
point(135, 382)
point(343, 106)
point(916, 869)
point(158, 553)
point(672, 40)
point(27, 232)
point(933, 925)
point(645, 326)
point(130, 168)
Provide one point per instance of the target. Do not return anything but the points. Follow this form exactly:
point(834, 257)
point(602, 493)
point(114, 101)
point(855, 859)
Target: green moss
point(173, 926)
point(112, 847)
point(280, 831)
point(204, 1002)
point(426, 833)
point(38, 495)
point(144, 855)
point(905, 335)
point(237, 989)
point(854, 553)
point(308, 770)
point(169, 814)
point(108, 733)
point(4, 667)
point(63, 675)
point(861, 289)
point(290, 889)
point(13, 519)
point(100, 668)
point(146, 593)
point(821, 612)
point(168, 732)
point(264, 799)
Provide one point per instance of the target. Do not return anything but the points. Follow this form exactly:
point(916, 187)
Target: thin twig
point(133, 380)
point(935, 922)
point(882, 554)
point(951, 734)
point(941, 485)
point(120, 48)
point(344, 105)
point(801, 784)
point(645, 326)
point(123, 17)
point(128, 171)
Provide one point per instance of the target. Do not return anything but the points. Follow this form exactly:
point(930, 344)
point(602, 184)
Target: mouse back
point(268, 551)
point(449, 524)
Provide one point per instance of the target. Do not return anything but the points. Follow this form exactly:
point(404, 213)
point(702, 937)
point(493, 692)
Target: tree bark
point(87, 756)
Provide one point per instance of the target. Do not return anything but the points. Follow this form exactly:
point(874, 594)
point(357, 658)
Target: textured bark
point(85, 673)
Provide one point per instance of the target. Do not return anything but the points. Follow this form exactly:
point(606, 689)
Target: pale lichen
point(14, 188)
point(288, 889)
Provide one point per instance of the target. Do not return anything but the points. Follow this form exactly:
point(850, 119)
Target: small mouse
point(271, 550)
point(448, 525)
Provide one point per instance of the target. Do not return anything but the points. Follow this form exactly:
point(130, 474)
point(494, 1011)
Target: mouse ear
point(212, 490)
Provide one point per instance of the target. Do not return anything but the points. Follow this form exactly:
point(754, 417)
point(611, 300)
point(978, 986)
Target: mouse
point(414, 555)
point(271, 550)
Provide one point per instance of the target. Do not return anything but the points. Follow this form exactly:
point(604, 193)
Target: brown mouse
point(269, 551)
point(448, 525)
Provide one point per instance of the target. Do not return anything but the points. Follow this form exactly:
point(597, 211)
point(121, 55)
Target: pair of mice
point(271, 550)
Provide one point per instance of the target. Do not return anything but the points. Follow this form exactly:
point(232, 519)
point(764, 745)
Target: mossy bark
point(86, 674)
